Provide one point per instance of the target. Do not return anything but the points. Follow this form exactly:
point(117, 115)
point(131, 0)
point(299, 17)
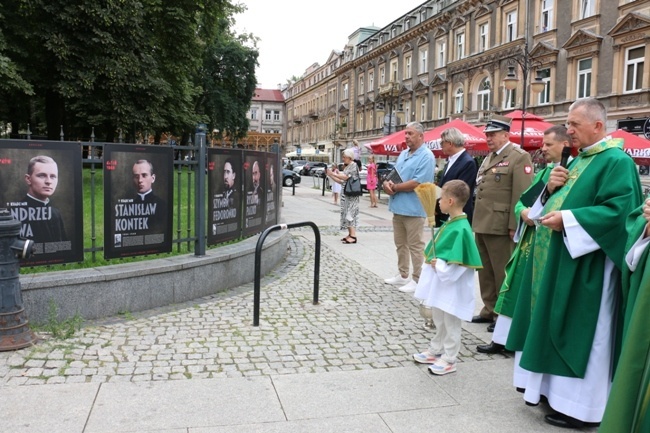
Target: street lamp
point(389, 94)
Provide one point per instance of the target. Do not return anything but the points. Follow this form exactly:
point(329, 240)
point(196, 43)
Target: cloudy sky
point(297, 33)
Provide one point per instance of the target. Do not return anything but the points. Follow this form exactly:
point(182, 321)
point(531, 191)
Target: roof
point(273, 95)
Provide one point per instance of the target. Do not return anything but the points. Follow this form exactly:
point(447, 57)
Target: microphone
point(566, 152)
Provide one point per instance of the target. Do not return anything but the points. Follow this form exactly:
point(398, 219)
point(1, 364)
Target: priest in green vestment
point(628, 407)
point(519, 269)
point(581, 213)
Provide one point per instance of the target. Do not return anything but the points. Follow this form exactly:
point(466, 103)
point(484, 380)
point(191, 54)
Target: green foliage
point(60, 329)
point(132, 65)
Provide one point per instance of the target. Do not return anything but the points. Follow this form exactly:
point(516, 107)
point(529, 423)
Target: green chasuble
point(455, 244)
point(603, 187)
point(519, 268)
point(628, 406)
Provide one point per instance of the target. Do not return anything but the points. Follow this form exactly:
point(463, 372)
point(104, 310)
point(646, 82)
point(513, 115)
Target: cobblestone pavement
point(360, 323)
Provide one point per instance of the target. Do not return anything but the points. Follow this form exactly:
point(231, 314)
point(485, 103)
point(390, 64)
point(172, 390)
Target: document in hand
point(394, 176)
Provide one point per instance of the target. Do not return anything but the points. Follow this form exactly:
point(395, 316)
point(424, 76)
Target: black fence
point(78, 199)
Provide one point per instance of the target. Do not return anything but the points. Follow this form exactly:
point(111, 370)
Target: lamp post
point(526, 64)
point(389, 94)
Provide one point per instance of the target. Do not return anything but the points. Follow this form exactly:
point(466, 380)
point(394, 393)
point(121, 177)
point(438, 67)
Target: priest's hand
point(553, 220)
point(524, 216)
point(433, 263)
point(558, 177)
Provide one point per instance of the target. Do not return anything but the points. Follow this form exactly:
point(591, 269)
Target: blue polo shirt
point(418, 166)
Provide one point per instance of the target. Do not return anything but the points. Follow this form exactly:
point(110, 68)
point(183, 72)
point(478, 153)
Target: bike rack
point(258, 263)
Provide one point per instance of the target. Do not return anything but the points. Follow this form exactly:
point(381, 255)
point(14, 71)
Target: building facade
point(448, 58)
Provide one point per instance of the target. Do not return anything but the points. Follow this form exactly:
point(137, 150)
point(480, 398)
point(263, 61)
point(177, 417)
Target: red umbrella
point(635, 146)
point(474, 138)
point(534, 129)
point(391, 144)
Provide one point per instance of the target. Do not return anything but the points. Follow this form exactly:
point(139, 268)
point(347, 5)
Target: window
point(393, 70)
point(424, 64)
point(458, 101)
point(407, 67)
point(586, 8)
point(584, 78)
point(544, 96)
point(442, 54)
point(460, 45)
point(345, 91)
point(407, 24)
point(423, 15)
point(361, 90)
point(634, 68)
point(441, 105)
point(510, 98)
point(547, 15)
point(276, 115)
point(267, 114)
point(393, 32)
point(407, 110)
point(483, 30)
point(253, 113)
point(483, 94)
point(423, 109)
point(511, 26)
point(371, 81)
point(382, 75)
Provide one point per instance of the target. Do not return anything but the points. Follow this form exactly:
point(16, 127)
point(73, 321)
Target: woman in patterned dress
point(349, 205)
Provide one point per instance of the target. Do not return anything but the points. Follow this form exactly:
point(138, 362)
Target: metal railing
point(258, 263)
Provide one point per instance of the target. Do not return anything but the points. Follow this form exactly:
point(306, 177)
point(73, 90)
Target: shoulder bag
point(352, 187)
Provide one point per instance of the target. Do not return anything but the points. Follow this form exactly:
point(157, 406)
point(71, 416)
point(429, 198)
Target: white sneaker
point(397, 280)
point(409, 287)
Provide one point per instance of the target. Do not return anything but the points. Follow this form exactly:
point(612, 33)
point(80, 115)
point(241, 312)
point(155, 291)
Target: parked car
point(289, 178)
point(307, 169)
point(291, 164)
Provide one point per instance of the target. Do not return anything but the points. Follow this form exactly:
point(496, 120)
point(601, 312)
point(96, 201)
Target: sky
point(294, 34)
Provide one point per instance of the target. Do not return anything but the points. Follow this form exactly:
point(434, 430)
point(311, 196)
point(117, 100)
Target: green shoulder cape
point(454, 243)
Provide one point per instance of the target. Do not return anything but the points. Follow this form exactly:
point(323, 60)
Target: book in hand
point(393, 176)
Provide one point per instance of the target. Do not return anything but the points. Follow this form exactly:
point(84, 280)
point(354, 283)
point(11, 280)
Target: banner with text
point(41, 187)
point(138, 197)
point(225, 194)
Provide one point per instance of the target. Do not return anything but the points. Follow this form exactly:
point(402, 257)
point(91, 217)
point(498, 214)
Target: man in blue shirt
point(415, 166)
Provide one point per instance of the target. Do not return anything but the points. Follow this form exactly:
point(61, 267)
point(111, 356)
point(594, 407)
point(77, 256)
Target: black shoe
point(491, 348)
point(480, 319)
point(490, 327)
point(560, 420)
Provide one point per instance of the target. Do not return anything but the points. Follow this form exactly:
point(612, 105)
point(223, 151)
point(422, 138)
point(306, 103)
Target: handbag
point(352, 187)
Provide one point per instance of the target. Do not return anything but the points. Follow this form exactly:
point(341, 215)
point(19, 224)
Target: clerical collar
point(584, 149)
point(142, 196)
point(46, 201)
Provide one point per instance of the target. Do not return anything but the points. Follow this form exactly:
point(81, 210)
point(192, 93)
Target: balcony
point(312, 114)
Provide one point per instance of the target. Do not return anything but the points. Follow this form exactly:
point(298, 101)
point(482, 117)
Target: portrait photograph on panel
point(254, 192)
point(224, 194)
point(138, 200)
point(271, 172)
point(41, 188)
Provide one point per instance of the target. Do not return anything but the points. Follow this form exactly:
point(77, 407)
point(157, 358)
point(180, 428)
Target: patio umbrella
point(534, 129)
point(474, 138)
point(391, 144)
point(635, 146)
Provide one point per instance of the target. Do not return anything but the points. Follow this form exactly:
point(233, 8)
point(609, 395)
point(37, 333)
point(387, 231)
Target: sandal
point(353, 241)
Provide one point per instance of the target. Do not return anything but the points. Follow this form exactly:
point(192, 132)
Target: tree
point(130, 65)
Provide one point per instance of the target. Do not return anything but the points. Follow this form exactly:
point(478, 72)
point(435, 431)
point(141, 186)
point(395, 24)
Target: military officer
point(504, 175)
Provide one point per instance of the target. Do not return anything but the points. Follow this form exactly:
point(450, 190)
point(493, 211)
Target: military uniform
point(500, 181)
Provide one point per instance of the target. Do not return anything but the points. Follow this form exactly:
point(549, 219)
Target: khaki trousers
point(495, 251)
point(407, 234)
